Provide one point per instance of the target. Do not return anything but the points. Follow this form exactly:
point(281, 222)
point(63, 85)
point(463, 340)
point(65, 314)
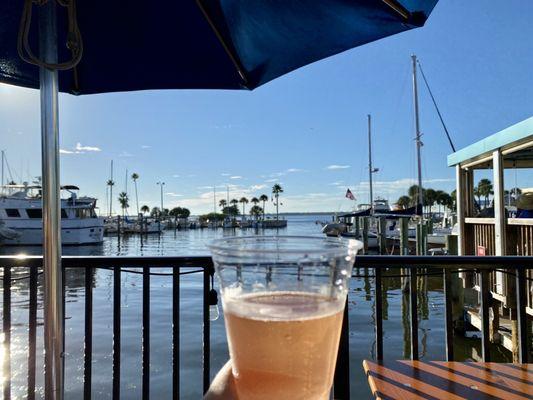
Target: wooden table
point(434, 380)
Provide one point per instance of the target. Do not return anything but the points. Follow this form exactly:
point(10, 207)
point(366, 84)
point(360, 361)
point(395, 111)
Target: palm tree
point(276, 190)
point(485, 189)
point(243, 201)
point(413, 194)
point(156, 212)
point(256, 211)
point(145, 209)
point(404, 202)
point(440, 198)
point(110, 183)
point(254, 201)
point(429, 198)
point(124, 202)
point(135, 176)
point(264, 199)
point(234, 202)
point(453, 200)
point(222, 203)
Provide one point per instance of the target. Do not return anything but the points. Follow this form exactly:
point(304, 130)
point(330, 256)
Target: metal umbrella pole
point(53, 303)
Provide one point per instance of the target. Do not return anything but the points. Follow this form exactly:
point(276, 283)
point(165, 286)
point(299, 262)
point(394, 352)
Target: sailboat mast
point(111, 192)
point(214, 200)
point(2, 169)
point(370, 168)
point(417, 131)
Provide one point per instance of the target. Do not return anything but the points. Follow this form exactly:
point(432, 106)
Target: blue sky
point(306, 130)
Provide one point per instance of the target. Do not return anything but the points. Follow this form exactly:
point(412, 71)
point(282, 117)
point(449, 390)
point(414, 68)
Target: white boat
point(21, 217)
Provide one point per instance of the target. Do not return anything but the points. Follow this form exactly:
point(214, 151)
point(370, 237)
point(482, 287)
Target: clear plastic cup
point(283, 299)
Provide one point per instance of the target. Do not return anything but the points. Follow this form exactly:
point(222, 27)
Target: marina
point(260, 216)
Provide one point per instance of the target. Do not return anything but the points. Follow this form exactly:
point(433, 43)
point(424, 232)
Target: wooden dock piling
point(365, 233)
point(382, 235)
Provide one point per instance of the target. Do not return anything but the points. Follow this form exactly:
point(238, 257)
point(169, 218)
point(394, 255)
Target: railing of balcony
point(444, 266)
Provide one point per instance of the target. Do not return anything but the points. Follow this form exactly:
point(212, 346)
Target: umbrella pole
point(53, 288)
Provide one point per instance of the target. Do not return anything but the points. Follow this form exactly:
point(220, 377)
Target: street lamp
point(161, 184)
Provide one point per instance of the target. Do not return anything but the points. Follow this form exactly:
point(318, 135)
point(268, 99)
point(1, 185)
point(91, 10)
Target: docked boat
point(21, 217)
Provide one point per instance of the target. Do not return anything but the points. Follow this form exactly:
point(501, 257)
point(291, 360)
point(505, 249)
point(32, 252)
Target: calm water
point(193, 243)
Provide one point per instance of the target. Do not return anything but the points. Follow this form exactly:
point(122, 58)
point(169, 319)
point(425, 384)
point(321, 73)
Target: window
point(12, 212)
point(34, 212)
point(64, 213)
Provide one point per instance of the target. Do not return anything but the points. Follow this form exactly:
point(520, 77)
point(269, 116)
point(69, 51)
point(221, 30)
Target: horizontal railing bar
point(363, 261)
point(452, 262)
point(98, 261)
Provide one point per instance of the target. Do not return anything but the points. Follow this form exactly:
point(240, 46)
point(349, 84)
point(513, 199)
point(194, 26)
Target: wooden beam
point(500, 216)
point(460, 202)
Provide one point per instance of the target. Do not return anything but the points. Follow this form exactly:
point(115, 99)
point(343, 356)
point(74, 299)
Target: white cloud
point(290, 170)
point(125, 153)
point(235, 177)
point(338, 183)
point(258, 187)
point(175, 176)
point(271, 180)
point(145, 146)
point(174, 194)
point(63, 151)
point(335, 166)
point(79, 147)
point(225, 174)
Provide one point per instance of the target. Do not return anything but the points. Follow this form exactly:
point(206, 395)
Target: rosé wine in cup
point(283, 299)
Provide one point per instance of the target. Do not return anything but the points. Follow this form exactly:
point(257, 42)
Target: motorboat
point(21, 216)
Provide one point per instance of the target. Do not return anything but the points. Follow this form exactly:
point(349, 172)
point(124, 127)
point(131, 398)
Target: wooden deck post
point(500, 217)
point(460, 202)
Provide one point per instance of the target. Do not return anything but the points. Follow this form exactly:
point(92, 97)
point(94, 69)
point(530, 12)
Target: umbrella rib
point(233, 57)
point(398, 8)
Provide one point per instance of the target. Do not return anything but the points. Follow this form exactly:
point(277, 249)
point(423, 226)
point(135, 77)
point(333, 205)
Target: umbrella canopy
point(103, 46)
point(204, 44)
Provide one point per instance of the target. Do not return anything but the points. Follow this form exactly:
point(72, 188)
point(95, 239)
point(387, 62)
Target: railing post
point(175, 332)
point(413, 311)
point(208, 271)
point(146, 335)
point(116, 331)
point(484, 313)
point(88, 351)
point(341, 384)
point(523, 351)
point(448, 311)
point(379, 314)
point(6, 327)
point(32, 332)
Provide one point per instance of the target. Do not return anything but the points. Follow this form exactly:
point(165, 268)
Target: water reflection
point(361, 310)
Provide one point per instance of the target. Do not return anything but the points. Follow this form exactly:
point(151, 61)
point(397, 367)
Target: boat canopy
point(408, 212)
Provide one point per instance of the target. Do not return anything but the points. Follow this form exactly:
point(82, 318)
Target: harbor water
point(193, 242)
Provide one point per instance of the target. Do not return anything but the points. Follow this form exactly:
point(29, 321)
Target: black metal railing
point(148, 266)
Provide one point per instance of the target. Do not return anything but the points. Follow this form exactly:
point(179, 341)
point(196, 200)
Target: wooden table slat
point(409, 380)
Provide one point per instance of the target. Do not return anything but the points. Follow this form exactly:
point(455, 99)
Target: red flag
point(349, 195)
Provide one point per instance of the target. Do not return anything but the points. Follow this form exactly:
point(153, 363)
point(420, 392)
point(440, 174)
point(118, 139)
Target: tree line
point(482, 192)
point(156, 212)
point(232, 209)
point(430, 197)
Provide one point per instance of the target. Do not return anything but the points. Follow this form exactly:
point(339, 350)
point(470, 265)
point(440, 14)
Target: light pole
point(161, 184)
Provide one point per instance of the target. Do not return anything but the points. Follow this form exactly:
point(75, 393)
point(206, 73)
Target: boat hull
point(77, 232)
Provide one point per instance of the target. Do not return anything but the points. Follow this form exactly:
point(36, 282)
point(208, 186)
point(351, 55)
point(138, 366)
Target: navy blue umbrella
point(99, 46)
point(207, 44)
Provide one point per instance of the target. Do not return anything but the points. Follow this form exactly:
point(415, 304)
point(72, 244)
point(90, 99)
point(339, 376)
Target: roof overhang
point(515, 143)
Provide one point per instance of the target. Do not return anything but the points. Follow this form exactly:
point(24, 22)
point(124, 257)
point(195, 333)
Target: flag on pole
point(350, 195)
